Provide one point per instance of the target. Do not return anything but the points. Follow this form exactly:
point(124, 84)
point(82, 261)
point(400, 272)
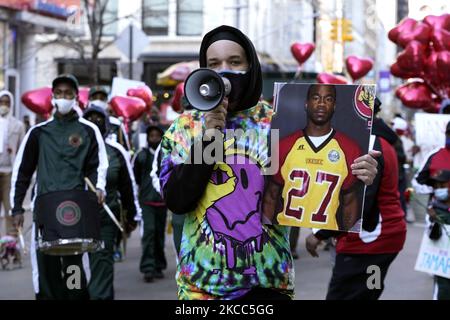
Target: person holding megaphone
point(226, 251)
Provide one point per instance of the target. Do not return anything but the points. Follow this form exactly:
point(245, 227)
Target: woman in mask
point(120, 188)
point(226, 252)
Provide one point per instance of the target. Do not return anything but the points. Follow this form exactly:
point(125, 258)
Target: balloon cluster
point(424, 62)
point(130, 107)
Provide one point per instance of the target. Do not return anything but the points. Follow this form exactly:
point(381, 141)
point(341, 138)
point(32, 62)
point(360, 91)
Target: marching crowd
point(224, 250)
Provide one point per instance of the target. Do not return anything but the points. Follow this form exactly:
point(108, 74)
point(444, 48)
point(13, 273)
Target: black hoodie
point(187, 182)
point(254, 89)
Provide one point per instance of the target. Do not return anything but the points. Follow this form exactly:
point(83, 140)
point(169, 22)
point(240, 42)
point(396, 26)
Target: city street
point(312, 275)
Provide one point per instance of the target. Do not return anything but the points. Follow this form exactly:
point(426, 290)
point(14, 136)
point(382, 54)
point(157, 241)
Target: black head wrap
point(254, 89)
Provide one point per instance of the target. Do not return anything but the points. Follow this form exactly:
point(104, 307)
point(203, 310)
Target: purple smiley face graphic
point(235, 219)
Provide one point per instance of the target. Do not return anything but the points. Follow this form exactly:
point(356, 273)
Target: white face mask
point(64, 106)
point(99, 103)
point(441, 194)
point(4, 110)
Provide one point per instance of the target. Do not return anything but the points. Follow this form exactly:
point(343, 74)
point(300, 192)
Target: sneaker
point(148, 277)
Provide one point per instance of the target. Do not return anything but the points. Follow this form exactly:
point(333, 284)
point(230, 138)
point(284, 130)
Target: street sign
point(138, 41)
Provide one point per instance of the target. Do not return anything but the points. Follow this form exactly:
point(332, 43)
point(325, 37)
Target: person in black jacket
point(63, 151)
point(154, 214)
point(120, 188)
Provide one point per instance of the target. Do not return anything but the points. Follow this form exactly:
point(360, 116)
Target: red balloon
point(176, 100)
point(412, 59)
point(420, 32)
point(358, 67)
point(38, 100)
point(144, 93)
point(433, 106)
point(83, 97)
point(414, 94)
point(441, 40)
point(401, 73)
point(443, 67)
point(130, 108)
point(431, 69)
point(406, 24)
point(438, 22)
point(302, 51)
point(328, 78)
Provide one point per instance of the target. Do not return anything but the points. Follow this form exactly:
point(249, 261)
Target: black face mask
point(100, 123)
point(239, 84)
point(153, 145)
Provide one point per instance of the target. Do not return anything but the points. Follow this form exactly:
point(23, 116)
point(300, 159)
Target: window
point(110, 18)
point(155, 17)
point(189, 17)
point(107, 70)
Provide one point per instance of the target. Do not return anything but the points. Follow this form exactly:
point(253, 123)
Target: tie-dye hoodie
point(225, 249)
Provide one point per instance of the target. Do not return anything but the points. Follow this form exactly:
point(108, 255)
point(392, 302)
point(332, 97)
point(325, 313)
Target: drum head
point(70, 247)
point(70, 214)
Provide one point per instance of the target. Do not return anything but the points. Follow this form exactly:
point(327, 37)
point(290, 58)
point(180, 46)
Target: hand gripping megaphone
point(205, 89)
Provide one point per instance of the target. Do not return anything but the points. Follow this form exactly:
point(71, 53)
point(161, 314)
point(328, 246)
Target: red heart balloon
point(328, 78)
point(358, 67)
point(83, 97)
point(177, 96)
point(443, 67)
point(412, 59)
point(302, 51)
point(431, 69)
point(38, 100)
point(144, 93)
point(433, 106)
point(441, 40)
point(415, 94)
point(438, 22)
point(406, 24)
point(130, 108)
point(420, 32)
point(401, 73)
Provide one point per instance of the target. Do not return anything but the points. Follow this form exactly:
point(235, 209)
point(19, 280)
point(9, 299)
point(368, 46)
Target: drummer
point(64, 150)
point(120, 186)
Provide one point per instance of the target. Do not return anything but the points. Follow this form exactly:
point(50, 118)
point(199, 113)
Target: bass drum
point(68, 222)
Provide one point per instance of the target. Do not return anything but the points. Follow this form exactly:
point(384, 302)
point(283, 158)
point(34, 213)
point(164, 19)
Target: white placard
point(434, 255)
point(142, 140)
point(430, 131)
point(120, 86)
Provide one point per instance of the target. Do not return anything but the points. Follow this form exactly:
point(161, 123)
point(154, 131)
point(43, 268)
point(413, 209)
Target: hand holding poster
point(434, 255)
point(323, 129)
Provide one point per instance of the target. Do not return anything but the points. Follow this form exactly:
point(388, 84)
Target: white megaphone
point(205, 89)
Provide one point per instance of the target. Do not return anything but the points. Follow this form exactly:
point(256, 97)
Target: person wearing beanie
point(62, 151)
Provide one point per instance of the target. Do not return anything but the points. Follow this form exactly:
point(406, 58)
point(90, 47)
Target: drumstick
point(105, 206)
point(22, 241)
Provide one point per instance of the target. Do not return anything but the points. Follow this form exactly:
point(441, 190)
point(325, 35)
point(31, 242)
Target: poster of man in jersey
point(323, 128)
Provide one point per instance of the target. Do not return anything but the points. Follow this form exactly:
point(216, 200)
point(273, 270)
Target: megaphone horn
point(205, 89)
